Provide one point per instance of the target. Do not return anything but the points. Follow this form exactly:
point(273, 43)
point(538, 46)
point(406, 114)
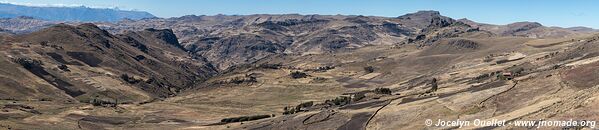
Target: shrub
point(63, 67)
point(270, 66)
point(382, 91)
point(369, 69)
point(243, 79)
point(323, 68)
point(433, 84)
point(100, 102)
point(359, 96)
point(299, 107)
point(340, 101)
point(287, 111)
point(297, 75)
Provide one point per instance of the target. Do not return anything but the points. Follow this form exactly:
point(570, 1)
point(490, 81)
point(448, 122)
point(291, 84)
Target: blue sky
point(563, 13)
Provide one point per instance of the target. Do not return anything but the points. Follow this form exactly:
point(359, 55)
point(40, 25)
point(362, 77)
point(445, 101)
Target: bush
point(63, 67)
point(369, 69)
point(100, 102)
point(382, 91)
point(297, 75)
point(433, 84)
point(359, 96)
point(323, 68)
point(287, 111)
point(270, 66)
point(243, 79)
point(340, 101)
point(299, 107)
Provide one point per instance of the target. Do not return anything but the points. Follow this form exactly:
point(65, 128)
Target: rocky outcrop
point(424, 19)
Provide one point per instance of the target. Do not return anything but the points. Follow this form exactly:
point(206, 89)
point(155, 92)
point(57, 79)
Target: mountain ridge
point(81, 13)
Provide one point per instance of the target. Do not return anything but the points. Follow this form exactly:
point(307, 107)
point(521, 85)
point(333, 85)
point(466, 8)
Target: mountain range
point(81, 13)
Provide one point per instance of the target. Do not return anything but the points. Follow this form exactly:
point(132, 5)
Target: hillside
point(85, 62)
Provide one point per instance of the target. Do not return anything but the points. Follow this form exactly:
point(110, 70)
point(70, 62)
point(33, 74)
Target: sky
point(562, 13)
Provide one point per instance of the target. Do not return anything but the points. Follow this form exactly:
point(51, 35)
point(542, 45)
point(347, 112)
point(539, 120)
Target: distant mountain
point(528, 29)
point(582, 29)
point(82, 13)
